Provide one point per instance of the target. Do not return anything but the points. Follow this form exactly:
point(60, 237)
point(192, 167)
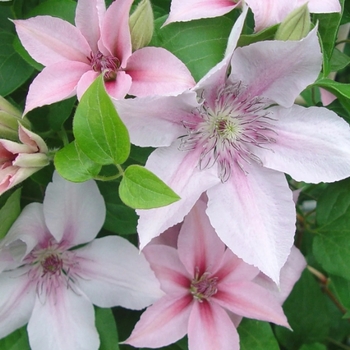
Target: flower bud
point(296, 25)
point(9, 118)
point(141, 24)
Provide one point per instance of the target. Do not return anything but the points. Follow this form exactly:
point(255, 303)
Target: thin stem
point(63, 136)
point(111, 177)
point(346, 41)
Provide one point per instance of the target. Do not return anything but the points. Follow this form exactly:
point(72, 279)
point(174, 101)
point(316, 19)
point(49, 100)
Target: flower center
point(228, 130)
point(203, 287)
point(52, 264)
point(108, 65)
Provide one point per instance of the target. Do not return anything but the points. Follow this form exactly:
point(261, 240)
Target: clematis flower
point(266, 13)
point(208, 290)
point(52, 286)
point(99, 44)
point(18, 161)
point(233, 137)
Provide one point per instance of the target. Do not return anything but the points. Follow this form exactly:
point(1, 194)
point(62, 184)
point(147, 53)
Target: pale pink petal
point(156, 121)
point(327, 97)
point(312, 144)
point(290, 273)
point(65, 320)
point(270, 12)
point(168, 237)
point(120, 87)
point(165, 262)
point(233, 268)
point(199, 247)
point(114, 273)
point(14, 148)
point(278, 70)
point(156, 71)
point(248, 299)
point(115, 32)
point(51, 40)
point(12, 176)
point(163, 323)
point(254, 215)
point(55, 83)
point(88, 19)
point(31, 139)
point(17, 300)
point(74, 212)
point(210, 328)
point(182, 11)
point(324, 6)
point(178, 170)
point(30, 229)
point(85, 81)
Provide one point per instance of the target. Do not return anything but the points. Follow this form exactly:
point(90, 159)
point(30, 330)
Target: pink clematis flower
point(208, 290)
point(99, 44)
point(233, 137)
point(19, 161)
point(266, 12)
point(52, 286)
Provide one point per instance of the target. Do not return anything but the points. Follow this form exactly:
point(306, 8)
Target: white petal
point(74, 212)
point(114, 273)
point(65, 320)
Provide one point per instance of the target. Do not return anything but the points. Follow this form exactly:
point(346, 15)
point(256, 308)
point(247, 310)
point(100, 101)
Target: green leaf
point(107, 329)
point(59, 112)
point(339, 60)
point(199, 44)
point(314, 346)
point(141, 189)
point(328, 29)
point(72, 164)
point(18, 340)
point(266, 34)
point(14, 71)
point(331, 246)
point(307, 313)
point(19, 48)
point(347, 315)
point(338, 89)
point(256, 335)
point(98, 130)
point(9, 212)
point(341, 289)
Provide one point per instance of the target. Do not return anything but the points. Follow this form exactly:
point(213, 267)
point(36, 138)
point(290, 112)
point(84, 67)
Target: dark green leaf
point(59, 112)
point(74, 165)
point(17, 340)
point(14, 71)
point(98, 130)
point(314, 346)
point(266, 34)
point(338, 89)
point(107, 329)
point(307, 314)
point(141, 189)
point(9, 212)
point(339, 60)
point(256, 335)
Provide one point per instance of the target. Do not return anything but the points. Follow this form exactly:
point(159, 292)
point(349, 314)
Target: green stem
point(346, 41)
point(64, 137)
point(111, 177)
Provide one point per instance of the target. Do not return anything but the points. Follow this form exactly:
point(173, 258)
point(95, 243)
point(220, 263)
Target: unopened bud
point(295, 26)
point(141, 24)
point(9, 118)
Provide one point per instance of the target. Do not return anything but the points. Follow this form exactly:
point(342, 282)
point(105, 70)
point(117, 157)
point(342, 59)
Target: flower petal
point(30, 229)
point(85, 81)
point(156, 71)
point(250, 300)
point(290, 273)
point(115, 32)
point(278, 70)
point(51, 40)
point(55, 83)
point(254, 215)
point(31, 139)
point(182, 11)
point(65, 320)
point(17, 300)
point(165, 262)
point(211, 328)
point(114, 273)
point(163, 323)
point(120, 87)
point(74, 212)
point(179, 171)
point(312, 144)
point(199, 247)
point(324, 6)
point(156, 121)
point(88, 19)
